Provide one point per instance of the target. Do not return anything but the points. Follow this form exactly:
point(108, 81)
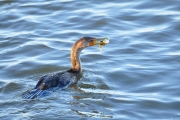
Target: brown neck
point(75, 54)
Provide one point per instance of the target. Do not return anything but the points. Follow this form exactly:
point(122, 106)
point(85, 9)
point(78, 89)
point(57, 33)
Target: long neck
point(75, 54)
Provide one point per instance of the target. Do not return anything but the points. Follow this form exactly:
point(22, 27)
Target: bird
point(64, 79)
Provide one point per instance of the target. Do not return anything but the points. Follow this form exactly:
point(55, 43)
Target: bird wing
point(40, 81)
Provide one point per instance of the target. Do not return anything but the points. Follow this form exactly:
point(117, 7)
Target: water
point(135, 76)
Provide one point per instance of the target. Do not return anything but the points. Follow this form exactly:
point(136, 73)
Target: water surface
point(135, 76)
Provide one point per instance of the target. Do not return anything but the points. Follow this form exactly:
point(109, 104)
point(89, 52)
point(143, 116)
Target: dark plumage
point(66, 78)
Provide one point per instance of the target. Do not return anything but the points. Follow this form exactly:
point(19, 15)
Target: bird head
point(90, 41)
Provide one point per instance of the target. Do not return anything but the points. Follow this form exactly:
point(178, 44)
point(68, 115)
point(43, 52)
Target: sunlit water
point(136, 76)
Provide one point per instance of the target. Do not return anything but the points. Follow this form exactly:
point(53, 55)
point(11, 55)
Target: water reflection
point(93, 114)
point(84, 106)
point(136, 76)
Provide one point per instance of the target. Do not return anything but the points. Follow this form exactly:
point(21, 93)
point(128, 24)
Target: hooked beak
point(99, 41)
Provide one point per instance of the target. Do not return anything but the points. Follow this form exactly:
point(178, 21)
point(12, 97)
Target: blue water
point(136, 76)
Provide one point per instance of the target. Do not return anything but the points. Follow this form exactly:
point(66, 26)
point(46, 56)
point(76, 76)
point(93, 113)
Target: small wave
point(35, 94)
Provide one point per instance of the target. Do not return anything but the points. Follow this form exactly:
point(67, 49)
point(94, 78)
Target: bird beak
point(99, 41)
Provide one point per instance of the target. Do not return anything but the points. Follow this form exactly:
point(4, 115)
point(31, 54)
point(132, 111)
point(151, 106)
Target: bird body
point(65, 78)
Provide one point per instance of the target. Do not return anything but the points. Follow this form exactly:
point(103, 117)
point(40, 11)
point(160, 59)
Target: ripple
point(138, 70)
